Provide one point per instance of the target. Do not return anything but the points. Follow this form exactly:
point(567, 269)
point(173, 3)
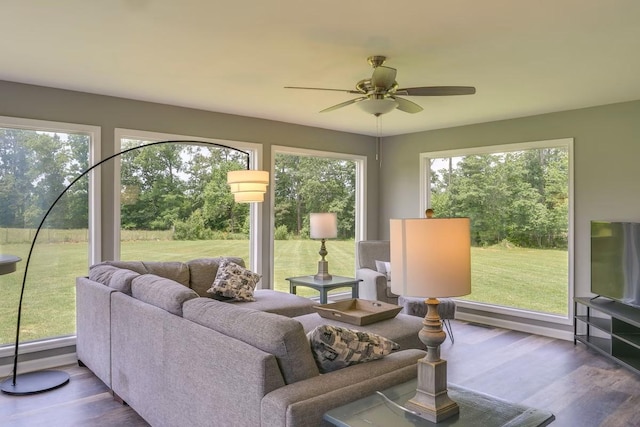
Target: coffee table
point(476, 409)
point(324, 286)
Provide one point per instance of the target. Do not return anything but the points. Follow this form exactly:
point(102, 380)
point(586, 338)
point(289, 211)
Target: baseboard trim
point(516, 326)
point(40, 364)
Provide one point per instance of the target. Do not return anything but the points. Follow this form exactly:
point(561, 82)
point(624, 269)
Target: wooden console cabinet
point(619, 339)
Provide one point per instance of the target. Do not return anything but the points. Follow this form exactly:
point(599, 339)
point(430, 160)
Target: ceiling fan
point(379, 94)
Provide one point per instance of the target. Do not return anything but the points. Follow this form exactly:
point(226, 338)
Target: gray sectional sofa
point(151, 333)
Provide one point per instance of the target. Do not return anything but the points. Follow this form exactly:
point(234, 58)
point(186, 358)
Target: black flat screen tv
point(615, 261)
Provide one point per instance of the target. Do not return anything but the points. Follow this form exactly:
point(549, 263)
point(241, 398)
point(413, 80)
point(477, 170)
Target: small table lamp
point(431, 258)
point(323, 226)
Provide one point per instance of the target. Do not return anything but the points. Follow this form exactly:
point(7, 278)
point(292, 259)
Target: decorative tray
point(358, 311)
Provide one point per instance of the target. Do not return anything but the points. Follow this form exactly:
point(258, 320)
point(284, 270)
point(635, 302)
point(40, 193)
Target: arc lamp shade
point(248, 185)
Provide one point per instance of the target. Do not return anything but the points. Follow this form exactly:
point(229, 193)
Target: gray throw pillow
point(334, 347)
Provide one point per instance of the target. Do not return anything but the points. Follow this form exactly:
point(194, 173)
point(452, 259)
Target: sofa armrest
point(93, 327)
point(303, 403)
point(373, 286)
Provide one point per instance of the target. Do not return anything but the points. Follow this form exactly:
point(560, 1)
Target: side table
point(476, 409)
point(8, 263)
point(324, 286)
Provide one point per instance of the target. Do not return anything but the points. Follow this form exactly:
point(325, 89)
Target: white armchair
point(374, 285)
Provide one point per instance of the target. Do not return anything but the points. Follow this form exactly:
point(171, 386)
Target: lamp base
point(323, 271)
point(431, 401)
point(35, 382)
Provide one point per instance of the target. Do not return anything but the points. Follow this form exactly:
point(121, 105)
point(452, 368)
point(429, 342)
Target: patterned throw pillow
point(384, 267)
point(234, 281)
point(334, 347)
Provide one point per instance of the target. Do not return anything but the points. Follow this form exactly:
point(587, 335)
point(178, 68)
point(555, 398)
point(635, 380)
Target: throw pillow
point(234, 281)
point(384, 267)
point(335, 347)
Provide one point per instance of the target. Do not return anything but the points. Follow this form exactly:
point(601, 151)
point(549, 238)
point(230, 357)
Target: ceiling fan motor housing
point(376, 60)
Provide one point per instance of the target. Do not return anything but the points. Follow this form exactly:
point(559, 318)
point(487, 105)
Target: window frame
point(255, 162)
point(94, 213)
point(360, 193)
point(425, 202)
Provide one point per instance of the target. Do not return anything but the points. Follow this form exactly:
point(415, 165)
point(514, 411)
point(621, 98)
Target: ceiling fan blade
point(437, 91)
point(383, 77)
point(322, 88)
point(407, 106)
point(344, 104)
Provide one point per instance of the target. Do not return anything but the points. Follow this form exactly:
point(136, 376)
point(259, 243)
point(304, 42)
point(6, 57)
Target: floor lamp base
point(35, 382)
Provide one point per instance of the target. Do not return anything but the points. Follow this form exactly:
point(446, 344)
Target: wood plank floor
point(580, 387)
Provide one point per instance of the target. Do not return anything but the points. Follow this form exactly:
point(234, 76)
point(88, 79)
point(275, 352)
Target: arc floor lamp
point(248, 185)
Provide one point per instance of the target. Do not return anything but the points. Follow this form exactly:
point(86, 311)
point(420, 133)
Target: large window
point(307, 182)
point(518, 198)
point(37, 161)
point(175, 203)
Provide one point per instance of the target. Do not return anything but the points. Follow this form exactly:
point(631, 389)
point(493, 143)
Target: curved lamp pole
point(246, 185)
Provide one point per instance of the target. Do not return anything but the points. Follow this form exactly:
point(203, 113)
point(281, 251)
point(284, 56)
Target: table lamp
point(431, 258)
point(323, 226)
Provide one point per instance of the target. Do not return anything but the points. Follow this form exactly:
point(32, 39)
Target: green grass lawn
point(530, 279)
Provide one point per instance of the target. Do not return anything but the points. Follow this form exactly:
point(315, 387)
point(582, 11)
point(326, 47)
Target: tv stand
point(619, 339)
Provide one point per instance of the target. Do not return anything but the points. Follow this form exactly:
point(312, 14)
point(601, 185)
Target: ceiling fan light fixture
point(378, 107)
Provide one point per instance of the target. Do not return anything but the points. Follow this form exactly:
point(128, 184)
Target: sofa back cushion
point(161, 292)
point(278, 335)
point(174, 270)
point(117, 278)
point(202, 272)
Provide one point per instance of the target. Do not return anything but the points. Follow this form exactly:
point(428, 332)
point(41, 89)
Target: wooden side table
point(324, 286)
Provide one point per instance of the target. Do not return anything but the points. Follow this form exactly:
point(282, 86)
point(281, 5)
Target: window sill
point(36, 346)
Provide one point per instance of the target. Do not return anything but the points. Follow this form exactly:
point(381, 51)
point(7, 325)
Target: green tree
point(520, 196)
point(182, 186)
point(153, 191)
point(306, 184)
point(15, 186)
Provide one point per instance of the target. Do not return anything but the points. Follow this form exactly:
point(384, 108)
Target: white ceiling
point(524, 57)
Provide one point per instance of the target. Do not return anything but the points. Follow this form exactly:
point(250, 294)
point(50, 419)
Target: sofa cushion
point(137, 266)
point(161, 292)
point(122, 279)
point(234, 281)
point(278, 302)
point(173, 270)
point(202, 272)
point(117, 278)
point(335, 347)
point(102, 273)
point(278, 335)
